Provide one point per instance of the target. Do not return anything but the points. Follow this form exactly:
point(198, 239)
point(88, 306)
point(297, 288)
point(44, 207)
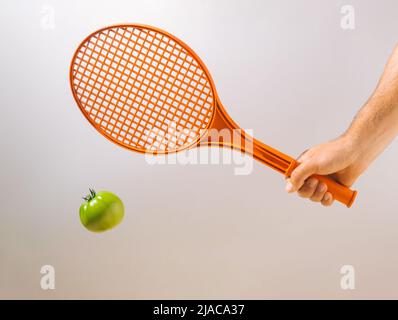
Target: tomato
point(101, 211)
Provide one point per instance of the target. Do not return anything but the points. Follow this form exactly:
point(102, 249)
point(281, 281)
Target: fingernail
point(327, 197)
point(289, 187)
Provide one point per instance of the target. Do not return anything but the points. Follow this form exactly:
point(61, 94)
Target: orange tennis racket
point(138, 85)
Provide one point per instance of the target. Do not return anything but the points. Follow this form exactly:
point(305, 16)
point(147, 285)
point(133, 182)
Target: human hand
point(340, 159)
point(345, 158)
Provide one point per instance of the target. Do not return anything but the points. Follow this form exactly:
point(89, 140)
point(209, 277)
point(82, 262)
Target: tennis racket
point(139, 85)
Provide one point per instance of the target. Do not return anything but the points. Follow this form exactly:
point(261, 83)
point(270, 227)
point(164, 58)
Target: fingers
point(319, 193)
point(301, 174)
point(315, 191)
point(308, 189)
point(327, 199)
point(302, 181)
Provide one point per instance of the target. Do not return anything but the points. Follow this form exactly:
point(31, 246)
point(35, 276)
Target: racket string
point(94, 65)
point(115, 115)
point(140, 119)
point(115, 110)
point(201, 100)
point(156, 118)
point(112, 94)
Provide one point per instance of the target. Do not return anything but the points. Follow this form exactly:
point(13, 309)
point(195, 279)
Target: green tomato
point(101, 211)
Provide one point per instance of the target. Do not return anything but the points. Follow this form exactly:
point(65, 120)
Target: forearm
point(348, 156)
point(376, 124)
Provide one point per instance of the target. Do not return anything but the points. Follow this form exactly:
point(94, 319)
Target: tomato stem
point(90, 196)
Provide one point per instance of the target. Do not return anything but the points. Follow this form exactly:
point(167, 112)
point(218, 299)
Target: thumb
point(302, 173)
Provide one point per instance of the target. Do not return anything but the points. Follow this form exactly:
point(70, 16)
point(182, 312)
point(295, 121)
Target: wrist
point(354, 144)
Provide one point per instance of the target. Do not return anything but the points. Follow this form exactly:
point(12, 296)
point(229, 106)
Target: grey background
point(282, 68)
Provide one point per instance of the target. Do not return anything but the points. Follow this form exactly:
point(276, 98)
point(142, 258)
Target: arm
point(348, 156)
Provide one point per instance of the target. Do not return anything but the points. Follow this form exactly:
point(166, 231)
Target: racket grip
point(339, 192)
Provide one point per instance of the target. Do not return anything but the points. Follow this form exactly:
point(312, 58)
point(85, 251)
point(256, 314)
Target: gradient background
point(286, 69)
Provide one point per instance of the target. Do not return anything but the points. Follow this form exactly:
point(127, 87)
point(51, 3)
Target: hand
point(341, 159)
point(345, 158)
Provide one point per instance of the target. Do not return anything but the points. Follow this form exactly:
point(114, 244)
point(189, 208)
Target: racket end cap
point(354, 195)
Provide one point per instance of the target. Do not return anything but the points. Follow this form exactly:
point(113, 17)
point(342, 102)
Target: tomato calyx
point(90, 196)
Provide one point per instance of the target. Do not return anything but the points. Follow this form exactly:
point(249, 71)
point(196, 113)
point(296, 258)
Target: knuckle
point(316, 166)
point(321, 189)
point(294, 177)
point(304, 194)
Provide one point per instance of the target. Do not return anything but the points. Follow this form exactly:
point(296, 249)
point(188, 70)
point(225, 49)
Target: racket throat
point(224, 132)
point(272, 158)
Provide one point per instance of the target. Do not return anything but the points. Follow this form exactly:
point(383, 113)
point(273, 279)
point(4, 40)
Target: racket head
point(119, 93)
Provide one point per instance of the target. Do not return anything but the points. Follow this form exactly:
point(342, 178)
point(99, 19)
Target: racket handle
point(339, 192)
